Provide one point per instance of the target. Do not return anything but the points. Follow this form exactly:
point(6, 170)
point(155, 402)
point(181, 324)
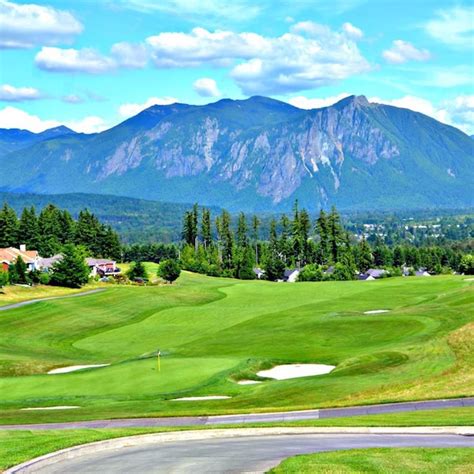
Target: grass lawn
point(16, 294)
point(19, 446)
point(386, 460)
point(214, 331)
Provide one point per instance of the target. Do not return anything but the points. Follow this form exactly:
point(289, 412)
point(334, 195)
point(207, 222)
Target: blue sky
point(92, 63)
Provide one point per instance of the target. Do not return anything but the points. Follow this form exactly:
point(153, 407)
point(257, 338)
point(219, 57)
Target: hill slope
point(259, 154)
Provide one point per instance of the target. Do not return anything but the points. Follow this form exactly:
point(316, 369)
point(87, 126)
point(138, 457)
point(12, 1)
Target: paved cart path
point(323, 413)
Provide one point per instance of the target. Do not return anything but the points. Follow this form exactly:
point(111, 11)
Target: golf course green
point(212, 332)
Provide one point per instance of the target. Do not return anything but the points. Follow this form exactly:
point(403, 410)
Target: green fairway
point(389, 461)
point(212, 332)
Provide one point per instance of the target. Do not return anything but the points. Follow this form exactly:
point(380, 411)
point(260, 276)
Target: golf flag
point(159, 362)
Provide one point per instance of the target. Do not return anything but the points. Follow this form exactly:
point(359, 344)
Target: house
point(376, 272)
point(102, 267)
point(46, 263)
point(259, 273)
point(330, 270)
point(365, 277)
point(422, 273)
point(9, 256)
point(291, 275)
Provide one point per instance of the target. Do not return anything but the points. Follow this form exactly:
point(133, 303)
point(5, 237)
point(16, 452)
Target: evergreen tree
point(3, 279)
point(50, 230)
point(8, 227)
point(169, 270)
point(245, 271)
point(322, 228)
point(206, 228)
point(71, 271)
point(336, 234)
point(398, 256)
point(242, 229)
point(28, 229)
point(137, 270)
point(364, 257)
point(255, 228)
point(285, 250)
point(227, 241)
point(21, 271)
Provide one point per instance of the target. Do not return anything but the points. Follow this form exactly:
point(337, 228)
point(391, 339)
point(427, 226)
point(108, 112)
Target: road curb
point(138, 440)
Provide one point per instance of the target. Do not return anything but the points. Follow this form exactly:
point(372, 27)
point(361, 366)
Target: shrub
point(169, 270)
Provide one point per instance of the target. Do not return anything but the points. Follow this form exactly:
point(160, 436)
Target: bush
point(137, 271)
point(311, 272)
point(3, 278)
point(169, 270)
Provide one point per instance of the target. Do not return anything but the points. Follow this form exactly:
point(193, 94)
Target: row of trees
point(216, 247)
point(49, 231)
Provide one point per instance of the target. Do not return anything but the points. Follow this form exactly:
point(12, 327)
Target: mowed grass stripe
point(214, 331)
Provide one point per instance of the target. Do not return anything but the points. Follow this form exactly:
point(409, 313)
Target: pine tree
point(169, 270)
point(364, 255)
point(50, 231)
point(28, 229)
point(137, 270)
point(71, 271)
point(8, 227)
point(206, 228)
point(335, 234)
point(242, 239)
point(255, 236)
point(227, 241)
point(322, 228)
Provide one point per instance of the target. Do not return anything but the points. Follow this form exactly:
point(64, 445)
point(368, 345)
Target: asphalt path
point(229, 455)
point(39, 300)
point(324, 413)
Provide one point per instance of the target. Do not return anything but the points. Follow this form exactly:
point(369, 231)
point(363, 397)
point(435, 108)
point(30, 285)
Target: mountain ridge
point(256, 154)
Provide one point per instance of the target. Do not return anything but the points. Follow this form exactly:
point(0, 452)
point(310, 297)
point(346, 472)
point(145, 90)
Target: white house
point(291, 275)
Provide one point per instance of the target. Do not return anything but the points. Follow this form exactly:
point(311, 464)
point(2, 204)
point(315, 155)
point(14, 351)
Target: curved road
point(323, 413)
point(230, 454)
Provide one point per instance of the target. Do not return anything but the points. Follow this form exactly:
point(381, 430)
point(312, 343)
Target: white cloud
point(72, 99)
point(73, 60)
point(28, 25)
point(208, 10)
point(128, 55)
point(454, 27)
point(403, 51)
point(206, 87)
point(129, 110)
point(352, 30)
point(458, 112)
point(310, 56)
point(303, 102)
point(10, 93)
point(12, 117)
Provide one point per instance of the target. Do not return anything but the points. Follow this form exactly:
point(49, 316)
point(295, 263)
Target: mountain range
point(254, 154)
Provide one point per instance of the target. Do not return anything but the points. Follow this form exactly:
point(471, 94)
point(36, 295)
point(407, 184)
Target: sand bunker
point(377, 311)
point(73, 368)
point(468, 279)
point(65, 407)
point(197, 399)
point(248, 382)
point(294, 371)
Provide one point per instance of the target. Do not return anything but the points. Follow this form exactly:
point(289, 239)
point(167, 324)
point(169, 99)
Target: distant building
point(46, 263)
point(291, 275)
point(9, 256)
point(102, 267)
point(365, 277)
point(376, 272)
point(259, 273)
point(422, 273)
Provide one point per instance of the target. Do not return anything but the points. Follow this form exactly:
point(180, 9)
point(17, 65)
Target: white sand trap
point(65, 407)
point(197, 399)
point(73, 368)
point(377, 311)
point(468, 279)
point(294, 371)
point(248, 382)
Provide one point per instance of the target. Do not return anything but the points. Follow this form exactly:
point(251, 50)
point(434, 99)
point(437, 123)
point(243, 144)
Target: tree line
point(322, 249)
point(53, 228)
